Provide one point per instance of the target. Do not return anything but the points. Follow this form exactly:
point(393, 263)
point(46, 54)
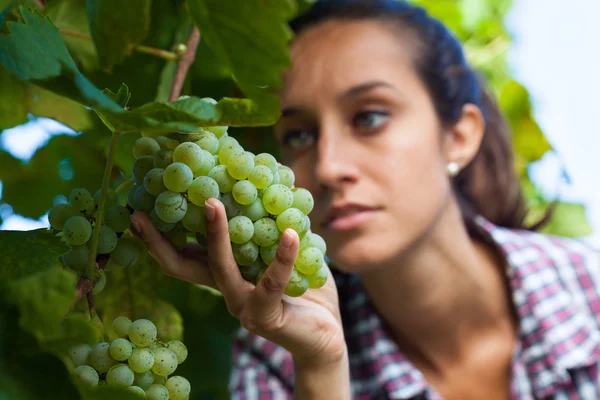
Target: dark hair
point(489, 185)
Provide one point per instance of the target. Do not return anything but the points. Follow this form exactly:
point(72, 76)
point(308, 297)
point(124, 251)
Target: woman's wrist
point(323, 379)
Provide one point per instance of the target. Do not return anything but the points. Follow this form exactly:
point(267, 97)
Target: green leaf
point(568, 219)
point(13, 102)
point(117, 26)
point(121, 97)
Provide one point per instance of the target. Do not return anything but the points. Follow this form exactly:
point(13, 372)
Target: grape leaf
point(121, 97)
point(568, 219)
point(13, 107)
point(116, 33)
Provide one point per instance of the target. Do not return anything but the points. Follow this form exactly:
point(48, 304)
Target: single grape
point(120, 349)
point(309, 260)
point(179, 349)
point(142, 332)
point(137, 390)
point(177, 237)
point(226, 140)
point(142, 249)
point(170, 206)
point(59, 214)
point(267, 160)
point(100, 357)
point(178, 177)
point(154, 181)
point(163, 158)
point(100, 285)
point(314, 240)
point(249, 272)
point(267, 253)
point(246, 253)
point(141, 166)
point(145, 379)
point(318, 279)
point(219, 131)
point(255, 210)
point(162, 141)
point(277, 198)
point(77, 258)
point(189, 154)
point(221, 176)
point(305, 228)
point(202, 189)
point(207, 165)
point(195, 219)
point(159, 224)
point(145, 146)
point(82, 201)
point(141, 360)
point(297, 285)
point(303, 200)
point(208, 141)
point(228, 150)
point(86, 376)
point(118, 218)
point(286, 176)
point(107, 241)
point(111, 198)
point(240, 164)
point(244, 192)
point(77, 231)
point(159, 379)
point(165, 362)
point(157, 392)
point(179, 388)
point(265, 232)
point(121, 326)
point(80, 354)
point(241, 229)
point(126, 253)
point(261, 176)
point(142, 200)
point(120, 376)
point(291, 218)
point(232, 207)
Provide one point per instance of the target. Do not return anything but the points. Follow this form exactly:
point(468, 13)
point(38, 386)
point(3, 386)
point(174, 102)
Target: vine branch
point(184, 64)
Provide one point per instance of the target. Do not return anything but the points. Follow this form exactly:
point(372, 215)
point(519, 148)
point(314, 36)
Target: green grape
point(224, 180)
point(77, 231)
point(314, 240)
point(189, 154)
point(232, 208)
point(100, 357)
point(255, 210)
point(162, 141)
point(265, 232)
point(177, 237)
point(154, 181)
point(126, 253)
point(59, 214)
point(80, 353)
point(86, 376)
point(170, 206)
point(246, 253)
point(305, 228)
point(159, 224)
point(77, 258)
point(145, 379)
point(209, 100)
point(107, 241)
point(219, 131)
point(137, 390)
point(142, 332)
point(163, 158)
point(195, 219)
point(240, 164)
point(202, 189)
point(241, 229)
point(142, 200)
point(100, 285)
point(178, 177)
point(309, 260)
point(165, 362)
point(286, 176)
point(207, 165)
point(179, 388)
point(141, 166)
point(297, 285)
point(157, 392)
point(120, 376)
point(276, 179)
point(277, 198)
point(228, 150)
point(226, 140)
point(120, 349)
point(82, 201)
point(159, 379)
point(208, 141)
point(249, 272)
point(179, 349)
point(267, 160)
point(303, 200)
point(291, 218)
point(145, 146)
point(118, 218)
point(172, 144)
point(261, 176)
point(111, 198)
point(319, 278)
point(141, 360)
point(121, 326)
point(142, 249)
point(267, 253)
point(244, 192)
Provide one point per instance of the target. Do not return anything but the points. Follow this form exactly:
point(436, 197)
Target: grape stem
point(124, 185)
point(85, 285)
point(184, 64)
point(90, 299)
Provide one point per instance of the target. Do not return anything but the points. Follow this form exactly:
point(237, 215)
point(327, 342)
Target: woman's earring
point(453, 168)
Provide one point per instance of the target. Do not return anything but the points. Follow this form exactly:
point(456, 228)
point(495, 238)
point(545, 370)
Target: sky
point(553, 55)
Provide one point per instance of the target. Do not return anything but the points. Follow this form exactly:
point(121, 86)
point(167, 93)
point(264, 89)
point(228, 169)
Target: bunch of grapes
point(137, 360)
point(76, 219)
point(173, 179)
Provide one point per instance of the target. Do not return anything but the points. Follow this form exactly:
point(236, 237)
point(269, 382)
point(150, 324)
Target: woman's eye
point(370, 119)
point(297, 139)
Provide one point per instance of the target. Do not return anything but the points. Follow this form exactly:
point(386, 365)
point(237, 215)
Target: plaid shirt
point(555, 285)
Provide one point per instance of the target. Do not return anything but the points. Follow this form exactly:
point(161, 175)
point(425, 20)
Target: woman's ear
point(462, 141)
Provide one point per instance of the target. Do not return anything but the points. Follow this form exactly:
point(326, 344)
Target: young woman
point(438, 290)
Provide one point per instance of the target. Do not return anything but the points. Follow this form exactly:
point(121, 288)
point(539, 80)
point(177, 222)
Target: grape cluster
point(76, 219)
point(137, 360)
point(173, 180)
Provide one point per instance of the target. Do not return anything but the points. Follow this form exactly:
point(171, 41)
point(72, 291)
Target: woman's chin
point(359, 256)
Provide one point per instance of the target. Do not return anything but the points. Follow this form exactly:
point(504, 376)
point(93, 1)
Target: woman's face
point(360, 132)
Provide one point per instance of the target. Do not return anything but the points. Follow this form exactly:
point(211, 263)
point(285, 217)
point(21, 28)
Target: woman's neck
point(444, 298)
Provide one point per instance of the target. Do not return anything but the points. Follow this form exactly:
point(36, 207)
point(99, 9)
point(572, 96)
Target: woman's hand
point(308, 326)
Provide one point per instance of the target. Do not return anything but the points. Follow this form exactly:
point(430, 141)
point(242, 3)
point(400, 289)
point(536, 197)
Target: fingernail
point(287, 239)
point(210, 212)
